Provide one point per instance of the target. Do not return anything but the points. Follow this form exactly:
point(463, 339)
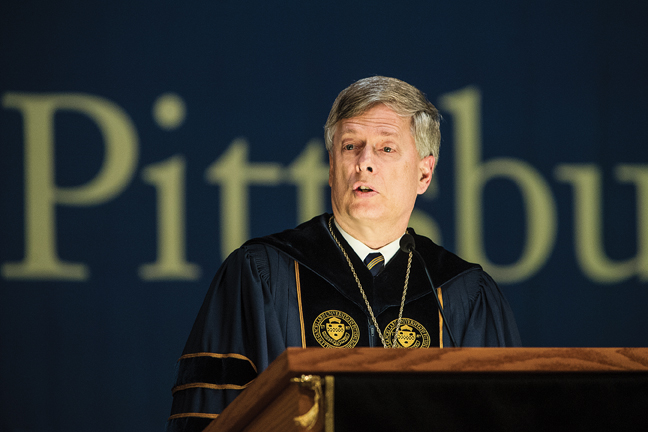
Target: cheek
point(409, 178)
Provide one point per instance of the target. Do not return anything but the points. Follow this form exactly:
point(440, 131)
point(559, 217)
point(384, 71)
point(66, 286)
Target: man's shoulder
point(299, 242)
point(442, 264)
point(310, 244)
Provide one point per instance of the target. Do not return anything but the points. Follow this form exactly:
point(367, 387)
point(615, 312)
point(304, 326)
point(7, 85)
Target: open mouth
point(365, 189)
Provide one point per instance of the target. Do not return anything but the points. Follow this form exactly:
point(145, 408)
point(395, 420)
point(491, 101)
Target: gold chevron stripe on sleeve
point(201, 415)
point(210, 386)
point(216, 355)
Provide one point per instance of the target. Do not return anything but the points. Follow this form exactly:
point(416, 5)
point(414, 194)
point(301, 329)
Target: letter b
point(472, 175)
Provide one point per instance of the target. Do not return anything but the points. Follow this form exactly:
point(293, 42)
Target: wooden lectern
point(445, 389)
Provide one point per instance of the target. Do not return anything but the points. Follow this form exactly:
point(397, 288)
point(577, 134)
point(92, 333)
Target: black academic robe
point(296, 288)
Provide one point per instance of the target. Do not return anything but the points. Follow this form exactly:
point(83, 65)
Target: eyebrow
point(383, 132)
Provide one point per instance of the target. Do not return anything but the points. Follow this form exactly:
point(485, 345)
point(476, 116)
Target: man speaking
point(358, 277)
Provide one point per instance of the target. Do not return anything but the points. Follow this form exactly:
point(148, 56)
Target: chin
point(367, 214)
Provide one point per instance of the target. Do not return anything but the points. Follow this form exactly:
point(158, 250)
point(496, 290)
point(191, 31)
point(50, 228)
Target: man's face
point(375, 172)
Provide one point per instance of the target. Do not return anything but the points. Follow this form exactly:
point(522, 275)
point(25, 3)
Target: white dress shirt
point(362, 250)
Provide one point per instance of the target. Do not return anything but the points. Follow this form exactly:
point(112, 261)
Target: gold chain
point(364, 296)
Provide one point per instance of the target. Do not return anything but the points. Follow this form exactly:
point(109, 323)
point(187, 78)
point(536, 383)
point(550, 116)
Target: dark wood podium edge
point(295, 362)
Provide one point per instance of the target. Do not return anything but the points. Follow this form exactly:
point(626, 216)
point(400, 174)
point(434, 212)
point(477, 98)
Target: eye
point(388, 149)
point(348, 147)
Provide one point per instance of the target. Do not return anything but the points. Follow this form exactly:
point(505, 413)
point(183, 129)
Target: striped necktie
point(375, 263)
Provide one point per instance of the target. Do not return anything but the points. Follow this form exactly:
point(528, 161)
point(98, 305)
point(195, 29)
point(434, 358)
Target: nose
point(366, 159)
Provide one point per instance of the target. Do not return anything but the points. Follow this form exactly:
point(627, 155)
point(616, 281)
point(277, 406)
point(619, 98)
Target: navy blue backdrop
point(140, 142)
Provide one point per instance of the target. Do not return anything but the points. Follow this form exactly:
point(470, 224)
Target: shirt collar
point(362, 250)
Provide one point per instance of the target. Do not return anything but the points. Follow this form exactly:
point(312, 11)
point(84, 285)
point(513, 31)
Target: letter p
point(41, 259)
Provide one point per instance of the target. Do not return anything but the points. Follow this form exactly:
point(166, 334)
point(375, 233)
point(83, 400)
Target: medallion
point(335, 329)
point(411, 334)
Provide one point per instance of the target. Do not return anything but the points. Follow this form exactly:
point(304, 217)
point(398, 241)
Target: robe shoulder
point(478, 312)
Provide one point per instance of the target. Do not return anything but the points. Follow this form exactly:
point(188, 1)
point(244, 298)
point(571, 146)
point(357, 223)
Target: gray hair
point(406, 101)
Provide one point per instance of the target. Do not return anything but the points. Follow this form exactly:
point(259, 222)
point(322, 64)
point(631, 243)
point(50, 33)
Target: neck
point(374, 235)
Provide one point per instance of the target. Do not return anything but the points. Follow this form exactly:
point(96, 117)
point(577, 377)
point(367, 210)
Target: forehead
point(379, 119)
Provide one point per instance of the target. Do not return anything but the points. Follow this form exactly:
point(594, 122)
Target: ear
point(426, 169)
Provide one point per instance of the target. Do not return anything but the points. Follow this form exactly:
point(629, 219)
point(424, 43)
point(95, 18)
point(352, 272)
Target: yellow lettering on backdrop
point(638, 174)
point(588, 221)
point(471, 176)
point(169, 179)
point(41, 259)
point(310, 174)
point(233, 174)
